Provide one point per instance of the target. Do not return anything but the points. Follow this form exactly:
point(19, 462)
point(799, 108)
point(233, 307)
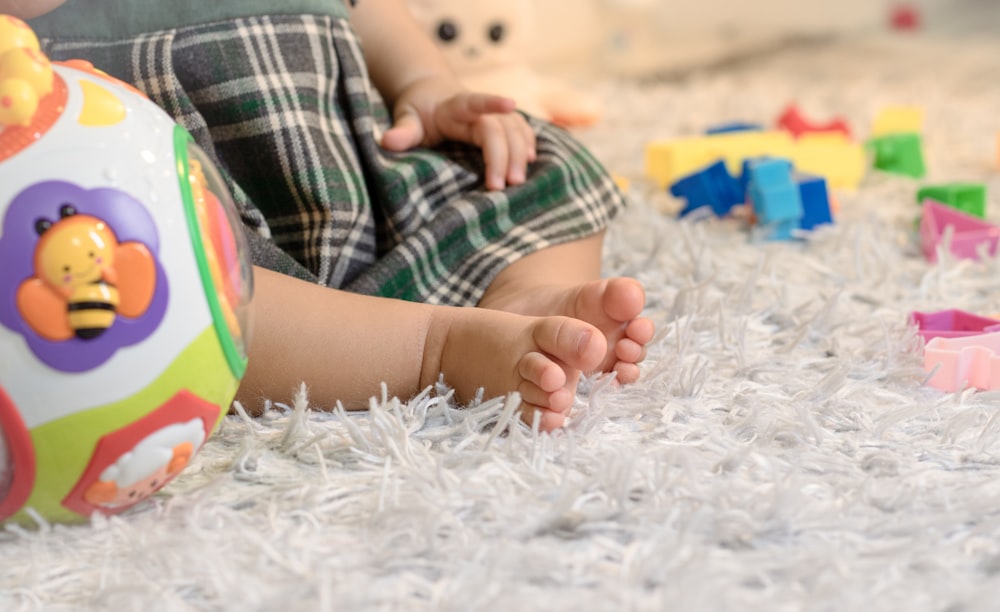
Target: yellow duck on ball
point(25, 74)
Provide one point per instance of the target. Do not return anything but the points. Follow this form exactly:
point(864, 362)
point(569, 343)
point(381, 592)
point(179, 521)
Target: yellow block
point(897, 119)
point(831, 155)
point(621, 181)
point(669, 160)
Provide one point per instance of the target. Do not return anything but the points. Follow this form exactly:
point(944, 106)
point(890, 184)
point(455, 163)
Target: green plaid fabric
point(284, 106)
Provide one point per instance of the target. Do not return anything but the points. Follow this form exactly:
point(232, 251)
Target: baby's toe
point(629, 351)
point(560, 400)
point(624, 298)
point(640, 330)
point(547, 419)
point(542, 373)
point(572, 342)
point(626, 372)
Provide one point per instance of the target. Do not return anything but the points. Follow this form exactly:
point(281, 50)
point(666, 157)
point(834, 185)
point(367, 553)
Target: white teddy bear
point(487, 43)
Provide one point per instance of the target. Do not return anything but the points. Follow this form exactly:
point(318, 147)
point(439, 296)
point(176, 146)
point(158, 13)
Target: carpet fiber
point(779, 453)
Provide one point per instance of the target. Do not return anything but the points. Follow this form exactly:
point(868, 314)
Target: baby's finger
point(469, 107)
point(492, 139)
point(406, 132)
point(520, 148)
point(531, 141)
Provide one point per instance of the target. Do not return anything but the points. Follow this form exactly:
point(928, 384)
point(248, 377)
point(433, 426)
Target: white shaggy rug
point(779, 453)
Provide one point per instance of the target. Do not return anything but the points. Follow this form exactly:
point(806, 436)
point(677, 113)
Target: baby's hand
point(429, 112)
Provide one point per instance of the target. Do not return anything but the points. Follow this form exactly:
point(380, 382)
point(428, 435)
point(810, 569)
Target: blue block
point(774, 193)
point(815, 201)
point(713, 186)
point(738, 126)
point(744, 178)
point(779, 230)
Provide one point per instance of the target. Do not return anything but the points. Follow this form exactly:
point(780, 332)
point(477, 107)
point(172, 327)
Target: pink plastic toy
point(970, 361)
point(968, 231)
point(952, 324)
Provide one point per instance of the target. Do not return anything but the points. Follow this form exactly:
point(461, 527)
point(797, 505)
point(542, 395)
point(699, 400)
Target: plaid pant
point(284, 106)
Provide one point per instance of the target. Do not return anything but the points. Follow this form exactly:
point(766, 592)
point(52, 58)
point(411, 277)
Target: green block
point(967, 197)
point(900, 153)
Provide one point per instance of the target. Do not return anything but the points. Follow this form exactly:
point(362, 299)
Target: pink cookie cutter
point(952, 323)
point(969, 361)
point(968, 231)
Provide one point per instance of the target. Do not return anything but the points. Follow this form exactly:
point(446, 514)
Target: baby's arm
point(28, 9)
point(397, 50)
point(428, 101)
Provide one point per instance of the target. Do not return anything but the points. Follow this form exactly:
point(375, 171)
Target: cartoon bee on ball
point(84, 278)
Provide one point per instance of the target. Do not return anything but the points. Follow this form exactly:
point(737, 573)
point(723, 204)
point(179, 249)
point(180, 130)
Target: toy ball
point(124, 288)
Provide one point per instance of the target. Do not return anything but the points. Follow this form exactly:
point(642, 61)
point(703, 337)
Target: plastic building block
point(966, 197)
point(900, 153)
point(952, 323)
point(744, 176)
point(771, 179)
point(712, 186)
point(897, 120)
point(832, 155)
point(969, 233)
point(738, 126)
point(669, 160)
point(815, 201)
point(792, 121)
point(777, 203)
point(957, 362)
point(621, 181)
point(829, 154)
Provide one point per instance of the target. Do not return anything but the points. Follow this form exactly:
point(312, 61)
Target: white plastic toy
point(124, 284)
point(487, 44)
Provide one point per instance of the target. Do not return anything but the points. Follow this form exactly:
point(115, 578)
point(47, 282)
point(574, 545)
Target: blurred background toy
point(488, 44)
point(123, 290)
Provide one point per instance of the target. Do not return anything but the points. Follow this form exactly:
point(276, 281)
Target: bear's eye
point(67, 210)
point(447, 31)
point(496, 32)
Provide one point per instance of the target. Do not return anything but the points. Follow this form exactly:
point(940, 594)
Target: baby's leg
point(566, 280)
point(343, 345)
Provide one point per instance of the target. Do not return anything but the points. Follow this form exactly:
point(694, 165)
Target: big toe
point(575, 343)
point(609, 302)
point(624, 298)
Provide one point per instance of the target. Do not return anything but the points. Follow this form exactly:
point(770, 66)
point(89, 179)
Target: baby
point(399, 232)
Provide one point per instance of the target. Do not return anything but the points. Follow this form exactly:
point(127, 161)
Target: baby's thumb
point(406, 132)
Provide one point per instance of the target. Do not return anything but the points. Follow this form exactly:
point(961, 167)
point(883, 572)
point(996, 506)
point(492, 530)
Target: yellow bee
point(84, 278)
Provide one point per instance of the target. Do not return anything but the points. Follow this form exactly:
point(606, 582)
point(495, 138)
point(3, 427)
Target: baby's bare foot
point(613, 305)
point(539, 357)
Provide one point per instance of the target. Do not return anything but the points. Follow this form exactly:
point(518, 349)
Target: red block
point(792, 121)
